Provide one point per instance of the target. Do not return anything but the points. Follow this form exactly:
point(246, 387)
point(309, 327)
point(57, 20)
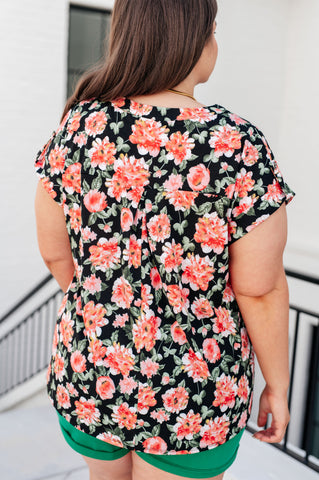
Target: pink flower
point(127, 385)
point(198, 177)
point(92, 284)
point(149, 368)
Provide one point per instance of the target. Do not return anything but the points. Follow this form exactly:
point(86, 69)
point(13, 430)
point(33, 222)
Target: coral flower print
point(94, 316)
point(172, 256)
point(160, 415)
point(182, 200)
point(159, 227)
point(71, 178)
point(75, 218)
point(198, 177)
point(146, 331)
point(175, 399)
point(86, 411)
point(108, 437)
point(155, 445)
point(59, 369)
point(119, 359)
point(200, 115)
point(125, 416)
point(211, 233)
point(127, 385)
point(106, 254)
point(140, 109)
point(243, 388)
point(155, 278)
point(66, 330)
point(105, 387)
point(63, 397)
point(224, 323)
point(150, 351)
point(149, 136)
point(177, 298)
point(245, 205)
point(187, 425)
point(146, 399)
point(130, 174)
point(244, 183)
point(201, 308)
point(197, 271)
point(95, 201)
point(102, 153)
point(97, 351)
point(48, 186)
point(78, 362)
point(74, 123)
point(195, 366)
point(57, 159)
point(122, 293)
point(274, 193)
point(178, 334)
point(95, 123)
point(225, 393)
point(173, 183)
point(126, 219)
point(92, 284)
point(214, 432)
point(250, 154)
point(149, 367)
point(211, 350)
point(179, 147)
point(132, 253)
point(225, 140)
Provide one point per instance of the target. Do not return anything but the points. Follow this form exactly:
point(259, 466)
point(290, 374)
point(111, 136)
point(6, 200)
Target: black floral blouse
point(150, 351)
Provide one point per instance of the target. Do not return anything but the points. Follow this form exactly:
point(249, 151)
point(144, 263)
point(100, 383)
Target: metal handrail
point(302, 276)
point(26, 298)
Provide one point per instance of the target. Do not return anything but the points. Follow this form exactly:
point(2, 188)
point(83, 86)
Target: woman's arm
point(53, 238)
point(259, 282)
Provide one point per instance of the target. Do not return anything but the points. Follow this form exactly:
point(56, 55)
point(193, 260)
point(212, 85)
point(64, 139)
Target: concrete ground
point(32, 448)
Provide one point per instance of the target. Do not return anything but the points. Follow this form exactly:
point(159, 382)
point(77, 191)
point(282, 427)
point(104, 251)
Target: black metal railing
point(25, 348)
point(305, 453)
point(25, 351)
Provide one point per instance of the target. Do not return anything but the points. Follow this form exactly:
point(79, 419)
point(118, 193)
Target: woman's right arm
point(259, 283)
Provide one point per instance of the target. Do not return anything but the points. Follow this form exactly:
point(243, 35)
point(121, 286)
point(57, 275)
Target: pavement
point(33, 448)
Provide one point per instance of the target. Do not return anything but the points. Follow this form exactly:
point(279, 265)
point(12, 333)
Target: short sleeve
point(52, 160)
point(259, 188)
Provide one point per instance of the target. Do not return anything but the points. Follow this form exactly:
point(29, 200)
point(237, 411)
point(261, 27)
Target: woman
point(151, 356)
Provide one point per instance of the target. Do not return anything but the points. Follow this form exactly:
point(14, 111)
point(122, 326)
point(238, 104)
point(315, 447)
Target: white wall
point(33, 40)
point(266, 72)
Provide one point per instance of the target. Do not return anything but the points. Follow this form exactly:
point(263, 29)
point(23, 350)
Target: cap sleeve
point(52, 160)
point(259, 188)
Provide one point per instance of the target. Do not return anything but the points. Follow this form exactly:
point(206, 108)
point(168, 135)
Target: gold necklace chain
point(181, 93)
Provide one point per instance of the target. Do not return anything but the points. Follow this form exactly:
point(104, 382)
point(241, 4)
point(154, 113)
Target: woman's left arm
point(53, 238)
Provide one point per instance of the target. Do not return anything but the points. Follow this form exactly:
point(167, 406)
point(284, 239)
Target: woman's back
point(150, 344)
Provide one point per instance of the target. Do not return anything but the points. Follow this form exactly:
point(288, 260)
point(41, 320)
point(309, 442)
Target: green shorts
point(208, 463)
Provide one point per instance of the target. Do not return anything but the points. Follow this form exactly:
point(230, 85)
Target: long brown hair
point(153, 45)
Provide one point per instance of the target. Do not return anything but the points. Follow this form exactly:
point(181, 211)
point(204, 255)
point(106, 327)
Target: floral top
point(150, 351)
